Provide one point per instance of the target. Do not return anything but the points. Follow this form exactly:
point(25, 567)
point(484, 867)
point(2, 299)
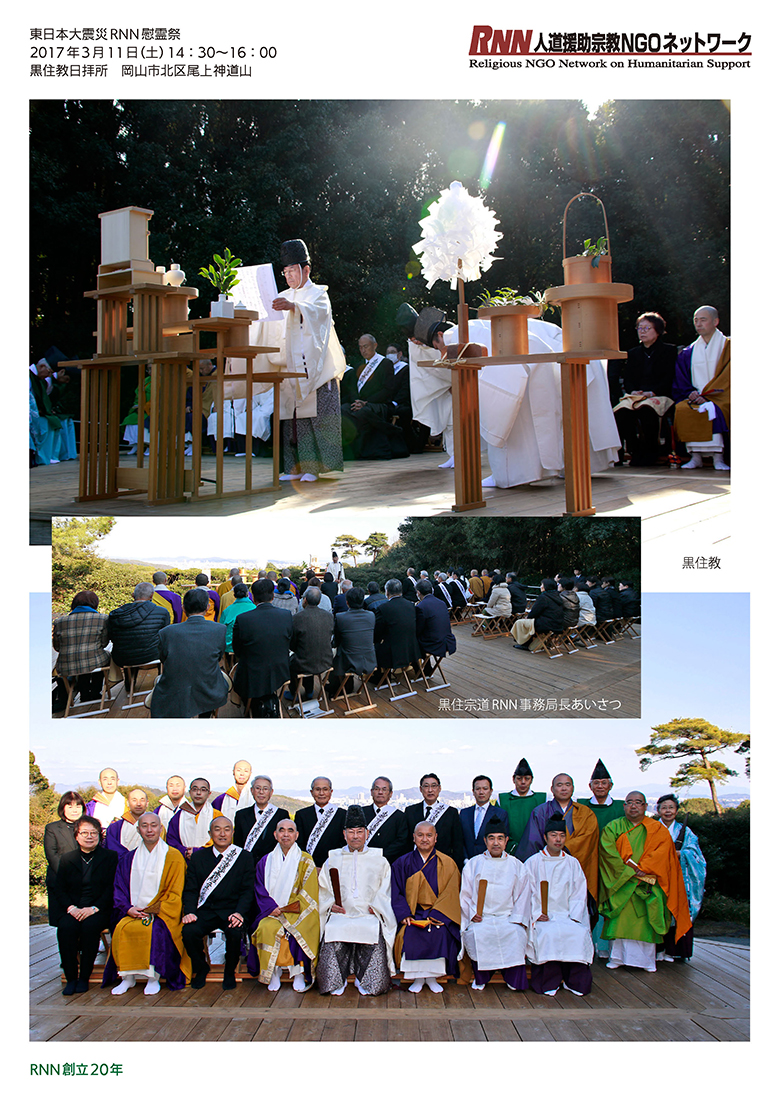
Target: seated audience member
point(560, 947)
point(629, 601)
point(612, 597)
point(474, 819)
point(425, 887)
point(571, 603)
point(287, 935)
point(121, 835)
point(134, 628)
point(458, 592)
point(175, 796)
point(545, 615)
point(441, 589)
point(241, 603)
point(494, 929)
point(443, 817)
point(314, 583)
point(218, 896)
point(395, 630)
point(477, 587)
point(188, 828)
point(165, 597)
point(192, 682)
point(147, 941)
point(601, 602)
point(409, 586)
point(284, 598)
point(59, 838)
point(388, 830)
point(434, 633)
point(80, 639)
point(499, 603)
point(255, 826)
point(357, 924)
point(702, 392)
point(367, 395)
point(587, 608)
point(648, 379)
point(239, 794)
point(261, 644)
point(212, 605)
point(340, 601)
point(84, 892)
point(311, 643)
point(517, 593)
point(353, 638)
point(374, 597)
point(330, 586)
point(107, 804)
point(320, 824)
point(234, 575)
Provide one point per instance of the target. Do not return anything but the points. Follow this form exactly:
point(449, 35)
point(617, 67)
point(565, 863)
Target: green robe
point(631, 909)
point(519, 810)
point(604, 813)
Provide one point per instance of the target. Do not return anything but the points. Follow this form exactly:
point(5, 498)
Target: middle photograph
point(432, 617)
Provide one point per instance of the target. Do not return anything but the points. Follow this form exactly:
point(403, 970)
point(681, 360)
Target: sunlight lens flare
point(488, 168)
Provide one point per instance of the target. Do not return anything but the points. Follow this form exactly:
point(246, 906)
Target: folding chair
point(130, 675)
point(70, 682)
point(341, 692)
point(297, 701)
point(401, 672)
point(435, 661)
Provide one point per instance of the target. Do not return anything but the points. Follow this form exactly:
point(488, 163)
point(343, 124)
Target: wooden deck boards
point(513, 683)
point(667, 500)
point(706, 1000)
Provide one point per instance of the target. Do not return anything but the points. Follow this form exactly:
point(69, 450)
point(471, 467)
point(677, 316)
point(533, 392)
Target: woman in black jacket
point(59, 839)
point(84, 895)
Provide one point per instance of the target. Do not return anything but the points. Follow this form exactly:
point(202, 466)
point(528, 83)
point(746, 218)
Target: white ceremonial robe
point(107, 813)
point(262, 410)
point(167, 809)
point(521, 417)
point(704, 363)
point(306, 340)
point(566, 936)
point(194, 829)
point(364, 877)
point(231, 803)
point(499, 941)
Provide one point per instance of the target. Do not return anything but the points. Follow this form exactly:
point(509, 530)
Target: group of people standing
point(524, 885)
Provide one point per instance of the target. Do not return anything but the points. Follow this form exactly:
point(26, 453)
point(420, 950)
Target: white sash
point(380, 819)
point(128, 835)
point(437, 811)
point(194, 829)
point(368, 371)
point(261, 822)
point(225, 863)
point(445, 594)
point(280, 873)
point(319, 827)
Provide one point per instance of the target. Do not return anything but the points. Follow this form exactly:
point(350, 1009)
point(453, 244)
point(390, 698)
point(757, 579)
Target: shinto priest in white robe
point(566, 937)
point(499, 940)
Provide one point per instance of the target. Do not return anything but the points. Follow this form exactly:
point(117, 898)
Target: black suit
point(331, 838)
point(354, 639)
point(245, 821)
point(83, 881)
point(192, 681)
point(449, 834)
point(234, 893)
point(519, 597)
point(395, 634)
point(58, 840)
point(311, 643)
point(393, 837)
point(261, 642)
point(433, 627)
point(368, 433)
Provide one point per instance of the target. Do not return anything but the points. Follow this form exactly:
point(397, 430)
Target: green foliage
point(350, 545)
point(695, 740)
point(223, 277)
point(595, 249)
point(717, 908)
point(374, 544)
point(43, 809)
point(725, 843)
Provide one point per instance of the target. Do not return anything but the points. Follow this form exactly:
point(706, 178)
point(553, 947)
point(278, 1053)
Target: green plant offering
point(507, 296)
point(222, 274)
point(596, 249)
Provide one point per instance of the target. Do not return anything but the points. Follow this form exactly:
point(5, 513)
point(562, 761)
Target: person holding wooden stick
point(356, 915)
point(560, 947)
point(494, 904)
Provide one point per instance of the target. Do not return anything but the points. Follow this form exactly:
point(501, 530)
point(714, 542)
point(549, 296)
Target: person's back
point(547, 612)
point(354, 636)
point(261, 640)
point(134, 629)
point(312, 631)
point(571, 608)
point(395, 634)
point(192, 681)
point(518, 596)
point(434, 633)
point(500, 601)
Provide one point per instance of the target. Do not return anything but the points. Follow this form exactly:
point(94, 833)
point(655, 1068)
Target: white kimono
point(521, 419)
point(566, 936)
point(364, 877)
point(499, 940)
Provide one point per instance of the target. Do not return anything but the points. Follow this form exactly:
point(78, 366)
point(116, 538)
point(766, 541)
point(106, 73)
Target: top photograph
point(506, 307)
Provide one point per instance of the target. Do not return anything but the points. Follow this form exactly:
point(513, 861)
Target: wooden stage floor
point(704, 1001)
point(488, 678)
point(667, 500)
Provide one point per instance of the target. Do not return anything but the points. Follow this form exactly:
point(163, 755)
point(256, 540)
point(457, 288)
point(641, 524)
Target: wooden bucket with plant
point(594, 263)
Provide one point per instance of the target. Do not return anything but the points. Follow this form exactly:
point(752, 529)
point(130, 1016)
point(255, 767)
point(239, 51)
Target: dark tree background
point(353, 178)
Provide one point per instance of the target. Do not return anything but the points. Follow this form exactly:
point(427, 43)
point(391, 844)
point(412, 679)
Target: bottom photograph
point(548, 881)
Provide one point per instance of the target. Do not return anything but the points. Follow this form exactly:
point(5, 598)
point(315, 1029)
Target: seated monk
point(425, 889)
point(147, 893)
point(288, 934)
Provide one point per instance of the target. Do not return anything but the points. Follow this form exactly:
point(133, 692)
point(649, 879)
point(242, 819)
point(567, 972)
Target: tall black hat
point(600, 772)
point(354, 817)
point(493, 826)
point(556, 822)
point(294, 251)
point(523, 769)
point(422, 326)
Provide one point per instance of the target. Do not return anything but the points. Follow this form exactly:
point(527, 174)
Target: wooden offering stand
point(163, 340)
